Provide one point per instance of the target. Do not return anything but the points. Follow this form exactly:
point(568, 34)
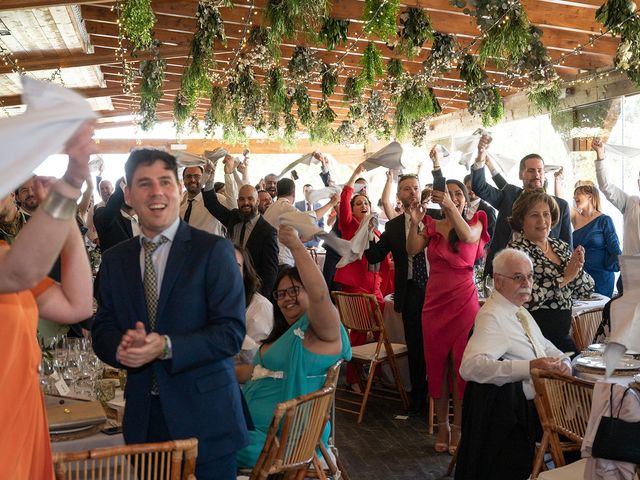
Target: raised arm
point(210, 198)
point(323, 315)
point(85, 200)
point(387, 206)
point(36, 247)
point(466, 233)
point(488, 193)
point(230, 183)
point(416, 242)
point(614, 194)
point(325, 174)
point(320, 212)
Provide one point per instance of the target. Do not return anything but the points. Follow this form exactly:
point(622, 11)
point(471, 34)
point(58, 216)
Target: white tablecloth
point(595, 377)
point(395, 333)
point(596, 302)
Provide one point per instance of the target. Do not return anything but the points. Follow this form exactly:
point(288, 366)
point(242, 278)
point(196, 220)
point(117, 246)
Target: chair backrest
point(584, 328)
point(175, 460)
point(359, 311)
point(563, 403)
point(296, 429)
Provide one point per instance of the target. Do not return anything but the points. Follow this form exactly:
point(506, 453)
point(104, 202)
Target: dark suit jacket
point(491, 215)
point(262, 244)
point(503, 200)
point(111, 226)
point(201, 308)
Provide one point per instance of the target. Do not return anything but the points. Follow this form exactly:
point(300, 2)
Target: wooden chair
point(360, 312)
point(584, 328)
point(563, 403)
point(296, 432)
point(175, 460)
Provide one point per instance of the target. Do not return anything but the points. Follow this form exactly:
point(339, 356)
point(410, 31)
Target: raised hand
point(572, 270)
point(436, 157)
point(79, 147)
point(41, 186)
point(288, 236)
point(559, 174)
point(229, 164)
point(417, 212)
point(598, 147)
point(483, 147)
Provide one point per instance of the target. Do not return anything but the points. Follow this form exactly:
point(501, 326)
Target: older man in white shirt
point(505, 346)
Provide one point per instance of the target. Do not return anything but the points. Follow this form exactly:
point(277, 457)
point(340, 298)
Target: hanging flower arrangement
point(303, 102)
point(137, 20)
point(394, 78)
point(320, 130)
point(333, 32)
point(415, 101)
point(486, 102)
point(415, 29)
point(262, 50)
point(443, 53)
point(303, 65)
point(329, 80)
point(152, 72)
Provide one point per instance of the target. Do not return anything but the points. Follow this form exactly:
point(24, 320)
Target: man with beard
point(264, 201)
point(192, 209)
point(499, 419)
point(26, 197)
point(246, 227)
point(270, 184)
point(532, 176)
point(410, 282)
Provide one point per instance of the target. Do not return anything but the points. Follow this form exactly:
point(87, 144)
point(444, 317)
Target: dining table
point(589, 365)
point(595, 302)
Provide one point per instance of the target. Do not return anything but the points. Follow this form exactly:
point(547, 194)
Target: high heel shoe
point(443, 447)
point(454, 439)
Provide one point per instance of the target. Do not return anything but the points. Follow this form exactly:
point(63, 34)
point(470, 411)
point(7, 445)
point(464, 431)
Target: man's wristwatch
point(166, 350)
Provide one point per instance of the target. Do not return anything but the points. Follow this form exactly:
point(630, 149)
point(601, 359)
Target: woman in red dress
point(451, 298)
point(358, 277)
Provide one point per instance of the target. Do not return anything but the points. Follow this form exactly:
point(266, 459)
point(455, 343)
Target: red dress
point(450, 301)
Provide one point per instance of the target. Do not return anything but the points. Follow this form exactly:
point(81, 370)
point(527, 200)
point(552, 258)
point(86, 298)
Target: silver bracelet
point(59, 207)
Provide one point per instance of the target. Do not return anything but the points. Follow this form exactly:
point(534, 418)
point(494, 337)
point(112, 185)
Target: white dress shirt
point(135, 226)
point(498, 334)
point(161, 254)
point(472, 208)
point(629, 205)
point(200, 217)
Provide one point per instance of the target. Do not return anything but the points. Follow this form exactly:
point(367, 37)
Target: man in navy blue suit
point(305, 206)
point(171, 311)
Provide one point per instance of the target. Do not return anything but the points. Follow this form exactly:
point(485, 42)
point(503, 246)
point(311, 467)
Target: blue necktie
point(420, 269)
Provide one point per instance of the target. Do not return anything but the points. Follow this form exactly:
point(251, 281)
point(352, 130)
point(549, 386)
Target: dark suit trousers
point(221, 468)
point(412, 319)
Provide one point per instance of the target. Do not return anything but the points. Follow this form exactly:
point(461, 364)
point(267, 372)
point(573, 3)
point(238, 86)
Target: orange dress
point(25, 450)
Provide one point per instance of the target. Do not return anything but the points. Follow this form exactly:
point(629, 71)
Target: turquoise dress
point(304, 372)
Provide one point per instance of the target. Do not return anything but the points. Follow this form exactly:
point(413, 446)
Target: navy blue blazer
point(502, 200)
point(201, 308)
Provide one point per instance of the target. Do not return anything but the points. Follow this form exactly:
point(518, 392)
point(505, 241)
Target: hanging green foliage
point(414, 102)
point(415, 29)
point(333, 32)
point(246, 97)
point(301, 96)
point(536, 64)
point(262, 50)
point(486, 102)
point(152, 73)
point(137, 21)
point(191, 87)
point(329, 80)
point(377, 109)
point(290, 123)
point(628, 56)
point(613, 13)
point(442, 53)
point(234, 131)
point(217, 113)
point(546, 97)
point(508, 39)
point(287, 16)
point(395, 68)
point(303, 64)
point(380, 17)
point(372, 65)
point(320, 130)
point(275, 90)
point(419, 130)
point(353, 88)
point(471, 73)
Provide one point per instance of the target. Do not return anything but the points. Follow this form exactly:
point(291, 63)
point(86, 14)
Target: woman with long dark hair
point(451, 298)
point(259, 313)
point(307, 338)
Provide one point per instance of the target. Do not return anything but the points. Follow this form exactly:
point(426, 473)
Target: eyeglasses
point(291, 291)
point(518, 277)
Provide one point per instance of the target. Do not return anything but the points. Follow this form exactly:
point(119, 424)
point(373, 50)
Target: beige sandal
point(443, 447)
point(455, 437)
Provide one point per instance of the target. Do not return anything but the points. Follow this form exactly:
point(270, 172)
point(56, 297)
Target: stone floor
point(385, 448)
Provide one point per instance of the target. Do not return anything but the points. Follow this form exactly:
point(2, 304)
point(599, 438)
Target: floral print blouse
point(547, 276)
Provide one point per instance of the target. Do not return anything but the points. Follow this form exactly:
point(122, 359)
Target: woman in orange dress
point(26, 293)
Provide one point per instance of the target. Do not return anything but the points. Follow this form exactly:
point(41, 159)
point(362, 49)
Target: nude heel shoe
point(443, 447)
point(454, 439)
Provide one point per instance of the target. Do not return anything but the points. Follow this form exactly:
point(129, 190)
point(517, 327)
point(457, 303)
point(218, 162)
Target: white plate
point(599, 347)
point(598, 362)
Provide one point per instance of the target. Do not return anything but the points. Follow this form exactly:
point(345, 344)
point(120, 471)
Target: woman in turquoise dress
point(595, 232)
point(306, 340)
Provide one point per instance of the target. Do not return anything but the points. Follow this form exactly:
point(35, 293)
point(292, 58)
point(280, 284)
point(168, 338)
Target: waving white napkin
point(628, 153)
point(467, 146)
point(359, 243)
point(186, 159)
point(305, 224)
point(53, 115)
point(389, 156)
point(215, 155)
point(306, 159)
point(318, 194)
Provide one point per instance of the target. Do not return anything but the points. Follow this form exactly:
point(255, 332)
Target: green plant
point(486, 102)
point(333, 32)
point(275, 90)
point(613, 13)
point(372, 65)
point(380, 17)
point(329, 80)
point(395, 68)
point(419, 130)
point(353, 88)
point(303, 64)
point(536, 64)
point(545, 97)
point(287, 16)
point(152, 73)
point(263, 50)
point(415, 29)
point(217, 113)
point(301, 96)
point(471, 72)
point(508, 39)
point(290, 123)
point(443, 52)
point(246, 96)
point(320, 130)
point(137, 20)
point(415, 101)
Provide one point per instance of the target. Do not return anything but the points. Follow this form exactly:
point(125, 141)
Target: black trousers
point(555, 325)
point(412, 320)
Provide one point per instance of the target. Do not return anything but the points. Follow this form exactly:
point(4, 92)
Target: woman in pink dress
point(451, 298)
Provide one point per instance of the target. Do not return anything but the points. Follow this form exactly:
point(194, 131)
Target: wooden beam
point(92, 92)
point(27, 4)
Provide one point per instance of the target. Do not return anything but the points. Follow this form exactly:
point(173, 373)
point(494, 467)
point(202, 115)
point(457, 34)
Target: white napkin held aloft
point(53, 115)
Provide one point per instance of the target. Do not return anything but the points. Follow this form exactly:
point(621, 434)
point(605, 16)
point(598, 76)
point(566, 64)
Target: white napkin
point(261, 372)
point(305, 224)
point(318, 194)
point(389, 156)
point(358, 244)
point(468, 147)
point(628, 153)
point(306, 159)
point(53, 115)
point(186, 159)
point(215, 155)
point(625, 314)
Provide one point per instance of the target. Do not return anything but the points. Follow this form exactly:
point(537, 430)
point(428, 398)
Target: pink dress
point(450, 301)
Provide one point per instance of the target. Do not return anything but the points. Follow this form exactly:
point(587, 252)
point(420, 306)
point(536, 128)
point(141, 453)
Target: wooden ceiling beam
point(27, 4)
point(92, 92)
